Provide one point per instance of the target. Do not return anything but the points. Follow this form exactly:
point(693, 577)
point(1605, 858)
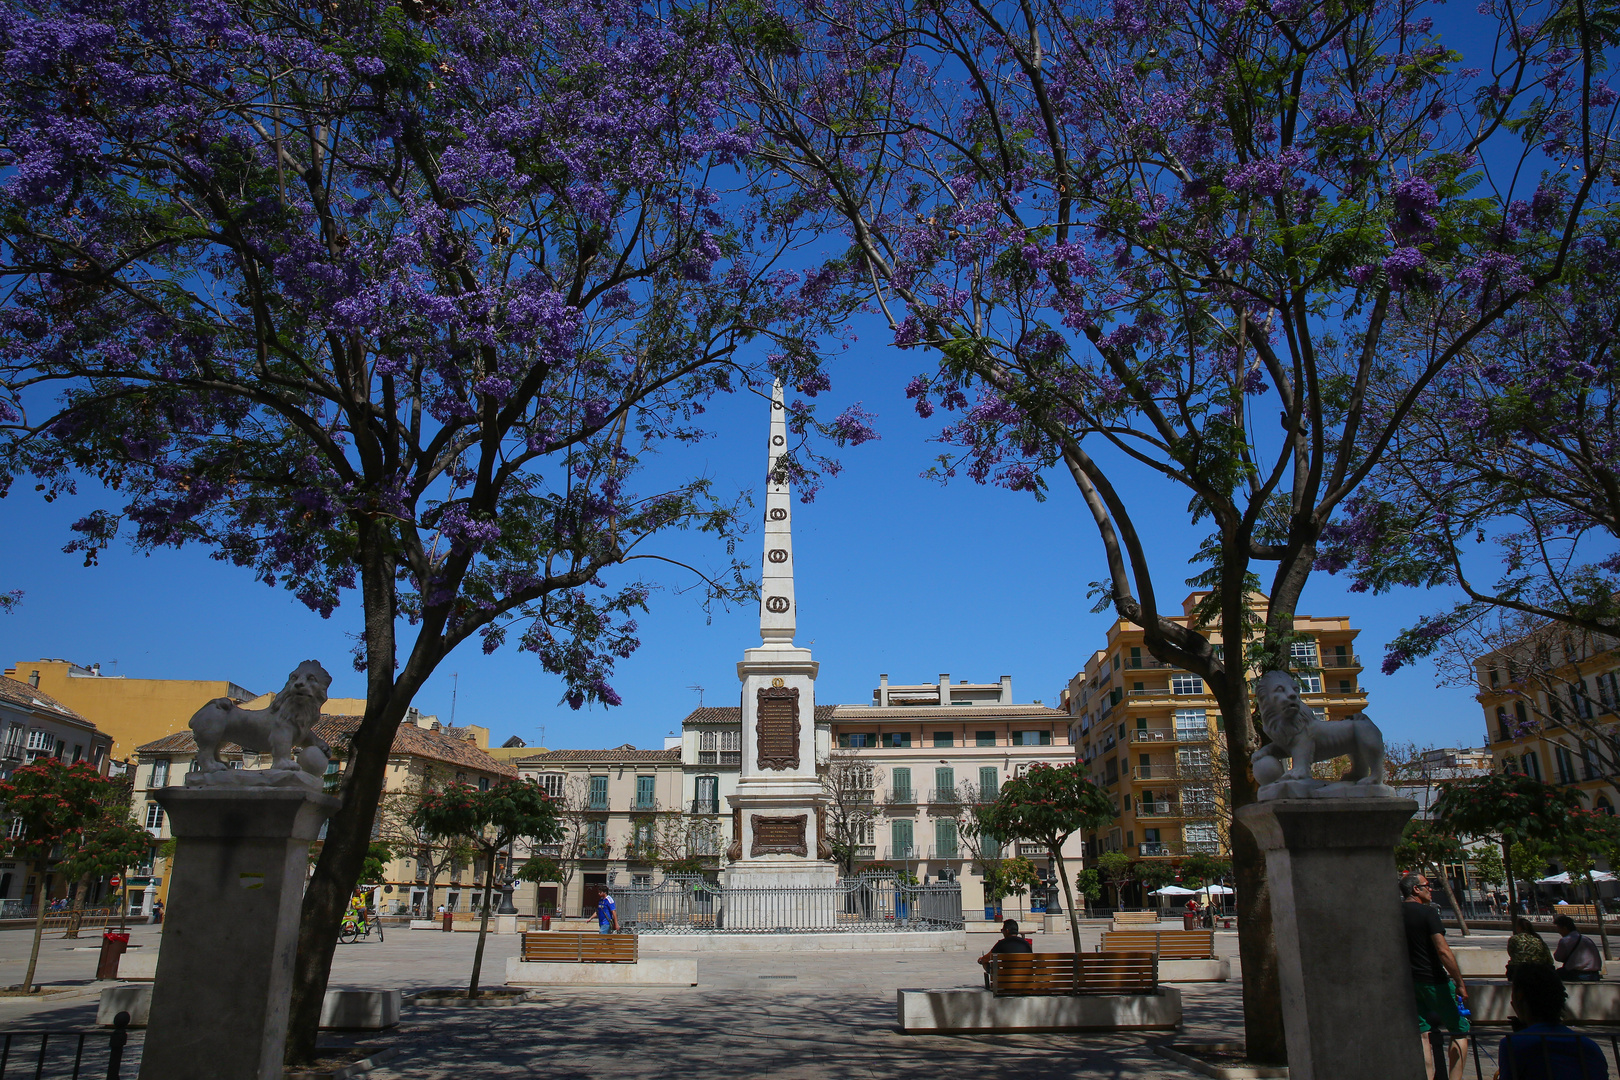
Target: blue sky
point(896, 574)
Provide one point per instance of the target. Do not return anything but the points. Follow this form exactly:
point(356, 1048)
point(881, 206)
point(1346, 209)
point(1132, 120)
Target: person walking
point(1577, 954)
point(607, 915)
point(1436, 977)
point(1545, 1049)
point(1526, 948)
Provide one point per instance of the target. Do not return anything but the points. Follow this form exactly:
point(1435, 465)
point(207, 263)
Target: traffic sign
point(117, 882)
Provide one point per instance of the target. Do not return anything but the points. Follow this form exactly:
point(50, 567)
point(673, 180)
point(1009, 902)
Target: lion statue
point(277, 729)
point(1297, 734)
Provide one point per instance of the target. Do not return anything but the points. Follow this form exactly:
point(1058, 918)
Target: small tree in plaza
point(109, 843)
point(1508, 808)
point(1424, 848)
point(1010, 877)
point(1154, 875)
point(489, 820)
point(1487, 863)
point(1047, 805)
point(1587, 836)
point(51, 803)
point(1117, 870)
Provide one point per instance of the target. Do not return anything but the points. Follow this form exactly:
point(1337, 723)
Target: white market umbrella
point(1173, 890)
point(1217, 890)
point(1556, 879)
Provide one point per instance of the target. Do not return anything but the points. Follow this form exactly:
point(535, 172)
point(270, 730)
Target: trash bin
point(545, 922)
point(113, 945)
point(447, 920)
point(1189, 922)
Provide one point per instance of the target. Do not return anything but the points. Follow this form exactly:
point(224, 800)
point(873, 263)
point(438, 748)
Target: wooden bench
point(1135, 920)
point(578, 947)
point(1577, 911)
point(1168, 944)
point(1033, 974)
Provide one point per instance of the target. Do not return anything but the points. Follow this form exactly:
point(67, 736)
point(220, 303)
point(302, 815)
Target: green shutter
point(989, 787)
point(944, 782)
point(902, 784)
point(900, 833)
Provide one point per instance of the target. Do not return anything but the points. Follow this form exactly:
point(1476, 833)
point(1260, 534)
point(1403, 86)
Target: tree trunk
point(483, 923)
point(1074, 916)
point(1445, 883)
point(39, 926)
point(1507, 869)
point(1597, 906)
point(76, 916)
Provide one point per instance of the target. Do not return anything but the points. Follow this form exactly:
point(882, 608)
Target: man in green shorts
point(1435, 975)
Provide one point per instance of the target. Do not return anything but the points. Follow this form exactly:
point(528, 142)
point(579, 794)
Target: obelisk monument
point(776, 811)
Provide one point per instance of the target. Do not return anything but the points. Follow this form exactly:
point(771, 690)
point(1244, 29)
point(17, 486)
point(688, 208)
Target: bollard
point(113, 945)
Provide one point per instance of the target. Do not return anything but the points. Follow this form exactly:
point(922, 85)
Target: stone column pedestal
point(224, 975)
point(1347, 996)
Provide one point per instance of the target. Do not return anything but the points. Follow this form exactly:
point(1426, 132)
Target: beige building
point(424, 755)
point(129, 711)
point(623, 823)
point(1153, 736)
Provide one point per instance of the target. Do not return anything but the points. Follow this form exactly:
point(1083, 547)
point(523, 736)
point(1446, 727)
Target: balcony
point(644, 805)
point(945, 851)
point(705, 806)
point(944, 797)
point(901, 852)
point(1347, 660)
point(1166, 735)
point(1174, 808)
point(866, 851)
point(901, 797)
point(1138, 663)
point(1173, 771)
point(731, 757)
point(1177, 847)
point(597, 806)
point(596, 851)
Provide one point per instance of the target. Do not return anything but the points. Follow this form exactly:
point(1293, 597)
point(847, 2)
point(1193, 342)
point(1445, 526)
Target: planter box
point(346, 1010)
point(1195, 970)
point(657, 971)
point(1588, 1003)
point(974, 1010)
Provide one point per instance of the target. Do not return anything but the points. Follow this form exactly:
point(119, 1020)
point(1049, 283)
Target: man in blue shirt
point(1545, 1049)
point(607, 918)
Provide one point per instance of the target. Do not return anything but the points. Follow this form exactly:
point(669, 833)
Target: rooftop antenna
point(699, 690)
point(455, 685)
point(542, 735)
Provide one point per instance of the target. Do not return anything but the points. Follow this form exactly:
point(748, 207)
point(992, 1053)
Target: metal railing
point(1170, 735)
point(944, 796)
point(1188, 770)
point(69, 1054)
point(945, 851)
point(1178, 847)
point(901, 852)
point(866, 851)
point(705, 806)
point(902, 797)
point(1347, 660)
point(682, 905)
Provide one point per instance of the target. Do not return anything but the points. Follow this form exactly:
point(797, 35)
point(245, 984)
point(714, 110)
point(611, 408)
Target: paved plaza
point(794, 1017)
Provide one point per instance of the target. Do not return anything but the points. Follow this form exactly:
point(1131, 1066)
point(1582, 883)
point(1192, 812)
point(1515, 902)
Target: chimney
point(33, 680)
point(1006, 691)
point(883, 689)
point(95, 669)
point(944, 688)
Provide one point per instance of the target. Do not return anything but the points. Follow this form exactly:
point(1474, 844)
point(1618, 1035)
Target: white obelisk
point(776, 821)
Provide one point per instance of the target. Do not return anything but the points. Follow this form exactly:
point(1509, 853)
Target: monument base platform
point(930, 1012)
point(831, 941)
point(664, 971)
point(781, 874)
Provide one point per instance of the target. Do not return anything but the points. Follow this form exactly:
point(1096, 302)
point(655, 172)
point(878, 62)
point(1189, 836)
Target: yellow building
point(1153, 736)
point(1551, 701)
point(131, 711)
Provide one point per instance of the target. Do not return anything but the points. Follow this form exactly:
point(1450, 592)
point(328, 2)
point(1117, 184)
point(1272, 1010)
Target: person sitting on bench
point(1577, 956)
point(1010, 942)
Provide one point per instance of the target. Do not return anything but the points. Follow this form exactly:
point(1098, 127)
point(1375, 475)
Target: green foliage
point(1088, 884)
point(1154, 875)
point(1512, 807)
point(1487, 864)
point(1422, 847)
point(54, 802)
point(1010, 877)
point(1045, 805)
point(375, 869)
point(511, 810)
point(541, 870)
point(1199, 869)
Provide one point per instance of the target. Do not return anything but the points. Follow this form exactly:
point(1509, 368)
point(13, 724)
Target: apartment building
point(927, 753)
point(129, 711)
point(1153, 737)
point(1551, 700)
point(623, 821)
point(425, 755)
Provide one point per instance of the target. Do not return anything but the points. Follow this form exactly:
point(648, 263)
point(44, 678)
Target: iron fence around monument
point(686, 905)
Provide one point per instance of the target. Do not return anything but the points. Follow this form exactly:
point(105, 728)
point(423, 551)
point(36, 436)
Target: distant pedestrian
point(1526, 947)
point(607, 914)
point(157, 911)
point(1545, 1049)
point(1577, 954)
point(1436, 977)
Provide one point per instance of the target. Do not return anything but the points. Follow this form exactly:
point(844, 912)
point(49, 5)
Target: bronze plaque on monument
point(777, 726)
point(777, 835)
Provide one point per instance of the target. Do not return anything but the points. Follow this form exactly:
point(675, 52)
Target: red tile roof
point(626, 753)
point(337, 731)
point(732, 714)
point(17, 692)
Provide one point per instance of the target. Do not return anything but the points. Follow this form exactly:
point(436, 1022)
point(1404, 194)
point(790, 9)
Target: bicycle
point(357, 930)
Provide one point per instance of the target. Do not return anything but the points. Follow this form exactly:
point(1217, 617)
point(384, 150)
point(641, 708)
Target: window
point(1503, 732)
point(1565, 763)
point(1532, 765)
point(1192, 759)
point(855, 740)
point(40, 739)
point(154, 817)
point(944, 738)
point(900, 839)
point(896, 739)
point(17, 823)
point(945, 839)
point(944, 784)
point(160, 773)
point(552, 784)
point(596, 838)
point(1197, 799)
point(731, 747)
point(1523, 715)
point(708, 748)
point(78, 751)
point(1344, 687)
point(1303, 652)
point(483, 783)
point(599, 793)
point(988, 786)
point(1136, 657)
point(1309, 684)
point(1201, 838)
point(708, 795)
point(646, 792)
point(641, 881)
point(900, 785)
point(15, 735)
point(1186, 684)
point(1192, 724)
point(643, 837)
point(984, 738)
point(330, 781)
point(1032, 738)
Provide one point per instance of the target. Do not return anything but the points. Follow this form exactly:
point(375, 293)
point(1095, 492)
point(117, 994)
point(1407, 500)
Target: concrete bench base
point(853, 941)
point(1480, 962)
point(138, 967)
point(974, 1010)
point(659, 971)
point(1195, 970)
point(343, 1010)
point(1588, 1003)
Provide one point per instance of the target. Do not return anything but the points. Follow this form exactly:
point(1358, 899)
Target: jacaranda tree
point(1171, 239)
point(1046, 806)
point(489, 820)
point(394, 298)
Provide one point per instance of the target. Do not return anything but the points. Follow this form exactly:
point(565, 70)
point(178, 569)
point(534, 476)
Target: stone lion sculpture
point(286, 723)
point(1297, 734)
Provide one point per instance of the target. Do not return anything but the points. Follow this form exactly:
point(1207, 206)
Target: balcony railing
point(1166, 735)
point(705, 806)
point(946, 796)
point(1173, 771)
point(644, 804)
point(1175, 808)
point(945, 851)
point(598, 805)
point(596, 851)
point(731, 757)
point(1137, 663)
point(1347, 660)
point(899, 852)
point(902, 797)
point(1177, 847)
point(866, 851)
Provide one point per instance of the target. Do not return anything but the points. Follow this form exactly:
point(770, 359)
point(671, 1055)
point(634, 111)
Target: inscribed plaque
point(776, 725)
point(778, 835)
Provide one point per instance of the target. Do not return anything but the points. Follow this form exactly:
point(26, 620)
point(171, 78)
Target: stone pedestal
point(224, 975)
point(1347, 995)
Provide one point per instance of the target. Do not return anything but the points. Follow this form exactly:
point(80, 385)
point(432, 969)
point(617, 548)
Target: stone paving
point(793, 1017)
